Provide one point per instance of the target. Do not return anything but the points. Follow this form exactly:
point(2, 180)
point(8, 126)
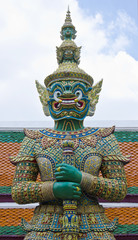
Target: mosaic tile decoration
point(10, 143)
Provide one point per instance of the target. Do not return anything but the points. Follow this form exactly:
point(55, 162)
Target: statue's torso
point(46, 146)
point(87, 159)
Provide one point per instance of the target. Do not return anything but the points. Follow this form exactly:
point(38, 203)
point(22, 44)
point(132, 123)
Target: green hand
point(66, 172)
point(66, 190)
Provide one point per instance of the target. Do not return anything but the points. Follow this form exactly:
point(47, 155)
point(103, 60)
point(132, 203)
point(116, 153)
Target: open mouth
point(67, 102)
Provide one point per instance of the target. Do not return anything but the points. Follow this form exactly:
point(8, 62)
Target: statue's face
point(68, 32)
point(68, 99)
point(68, 54)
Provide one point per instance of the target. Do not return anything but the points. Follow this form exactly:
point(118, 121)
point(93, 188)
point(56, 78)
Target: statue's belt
point(43, 207)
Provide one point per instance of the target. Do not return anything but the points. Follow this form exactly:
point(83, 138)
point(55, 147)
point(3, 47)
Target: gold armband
point(47, 191)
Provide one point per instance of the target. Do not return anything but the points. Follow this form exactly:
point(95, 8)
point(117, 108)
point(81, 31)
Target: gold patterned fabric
point(95, 150)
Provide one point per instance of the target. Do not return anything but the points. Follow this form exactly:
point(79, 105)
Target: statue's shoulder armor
point(26, 152)
point(105, 132)
point(33, 134)
point(109, 146)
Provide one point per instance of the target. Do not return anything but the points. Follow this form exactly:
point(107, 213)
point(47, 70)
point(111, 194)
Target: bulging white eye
point(56, 95)
point(78, 93)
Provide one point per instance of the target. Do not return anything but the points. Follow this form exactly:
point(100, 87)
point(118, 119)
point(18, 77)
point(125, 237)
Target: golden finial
point(68, 17)
point(68, 30)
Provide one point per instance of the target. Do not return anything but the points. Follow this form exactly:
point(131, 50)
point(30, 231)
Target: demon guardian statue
point(69, 157)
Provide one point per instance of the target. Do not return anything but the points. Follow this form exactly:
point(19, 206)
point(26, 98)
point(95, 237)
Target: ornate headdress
point(68, 58)
point(68, 55)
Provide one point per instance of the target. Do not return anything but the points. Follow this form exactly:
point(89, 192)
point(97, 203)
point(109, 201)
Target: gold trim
point(80, 209)
point(32, 133)
point(68, 123)
point(16, 159)
point(90, 209)
point(124, 159)
point(47, 191)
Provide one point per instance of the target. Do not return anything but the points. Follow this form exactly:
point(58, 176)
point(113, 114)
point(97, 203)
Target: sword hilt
point(70, 218)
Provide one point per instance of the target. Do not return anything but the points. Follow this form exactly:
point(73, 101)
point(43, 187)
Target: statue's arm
point(25, 188)
point(112, 185)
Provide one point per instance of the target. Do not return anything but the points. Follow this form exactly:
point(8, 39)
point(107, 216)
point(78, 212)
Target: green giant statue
point(69, 157)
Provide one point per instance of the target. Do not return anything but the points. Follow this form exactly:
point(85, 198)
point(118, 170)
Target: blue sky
point(110, 7)
point(107, 30)
point(109, 10)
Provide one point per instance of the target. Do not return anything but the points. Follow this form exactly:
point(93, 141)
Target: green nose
point(67, 90)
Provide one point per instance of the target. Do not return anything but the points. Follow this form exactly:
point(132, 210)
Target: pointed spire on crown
point(68, 30)
point(68, 57)
point(68, 18)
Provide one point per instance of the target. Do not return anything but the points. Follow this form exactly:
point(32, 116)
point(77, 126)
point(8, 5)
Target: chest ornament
point(89, 141)
point(82, 143)
point(48, 142)
point(82, 138)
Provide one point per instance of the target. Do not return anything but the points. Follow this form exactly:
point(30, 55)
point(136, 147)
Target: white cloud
point(120, 31)
point(121, 42)
point(30, 30)
point(120, 76)
point(125, 22)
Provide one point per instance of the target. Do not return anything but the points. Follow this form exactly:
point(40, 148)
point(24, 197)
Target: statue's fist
point(66, 172)
point(66, 190)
